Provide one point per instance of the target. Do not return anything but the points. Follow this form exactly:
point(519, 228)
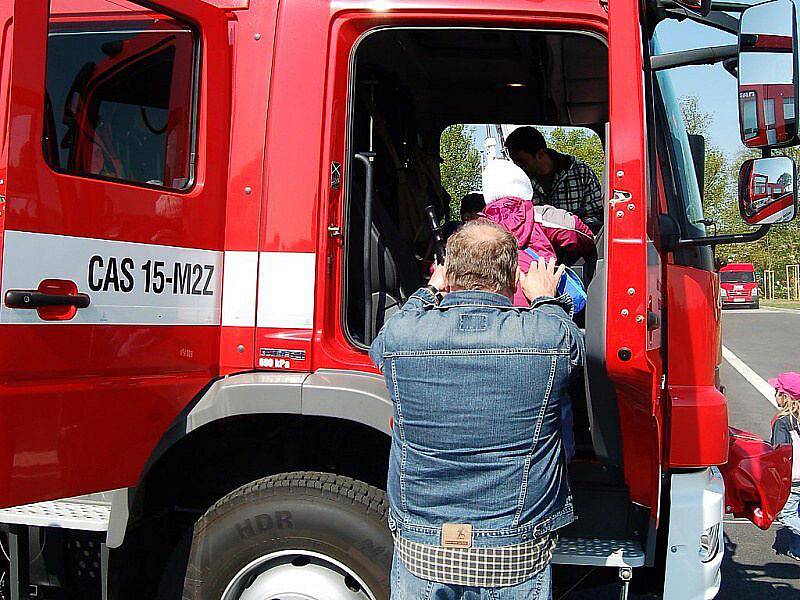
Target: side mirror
point(768, 75)
point(767, 191)
point(700, 7)
point(697, 145)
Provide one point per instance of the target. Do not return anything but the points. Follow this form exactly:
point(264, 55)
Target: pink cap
point(787, 382)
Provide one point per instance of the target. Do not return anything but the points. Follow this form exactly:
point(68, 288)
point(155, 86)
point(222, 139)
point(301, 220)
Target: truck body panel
point(207, 222)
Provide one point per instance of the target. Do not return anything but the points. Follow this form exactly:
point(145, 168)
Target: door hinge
point(334, 231)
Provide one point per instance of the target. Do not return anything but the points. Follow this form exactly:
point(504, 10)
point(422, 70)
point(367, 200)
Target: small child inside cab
point(542, 231)
point(786, 430)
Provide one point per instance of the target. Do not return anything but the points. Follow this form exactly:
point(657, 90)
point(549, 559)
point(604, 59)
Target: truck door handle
point(34, 299)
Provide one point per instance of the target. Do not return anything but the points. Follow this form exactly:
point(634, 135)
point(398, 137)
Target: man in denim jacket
point(477, 478)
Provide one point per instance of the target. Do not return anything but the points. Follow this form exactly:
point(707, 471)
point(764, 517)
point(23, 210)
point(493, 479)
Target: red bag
point(758, 477)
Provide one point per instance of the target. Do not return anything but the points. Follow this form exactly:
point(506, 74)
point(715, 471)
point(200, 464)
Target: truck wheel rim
point(297, 575)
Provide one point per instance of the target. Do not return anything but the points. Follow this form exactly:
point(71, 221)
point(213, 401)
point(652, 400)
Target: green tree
point(461, 165)
point(581, 144)
point(717, 180)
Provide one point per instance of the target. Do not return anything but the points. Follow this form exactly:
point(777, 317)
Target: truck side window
point(681, 167)
point(120, 102)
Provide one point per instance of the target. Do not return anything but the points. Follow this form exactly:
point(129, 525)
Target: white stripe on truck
point(286, 290)
point(128, 283)
point(239, 288)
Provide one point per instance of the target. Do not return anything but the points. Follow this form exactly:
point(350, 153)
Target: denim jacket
point(477, 386)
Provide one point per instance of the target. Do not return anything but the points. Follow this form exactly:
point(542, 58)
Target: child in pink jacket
point(546, 230)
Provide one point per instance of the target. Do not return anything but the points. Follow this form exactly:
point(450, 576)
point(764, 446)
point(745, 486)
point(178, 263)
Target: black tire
point(335, 516)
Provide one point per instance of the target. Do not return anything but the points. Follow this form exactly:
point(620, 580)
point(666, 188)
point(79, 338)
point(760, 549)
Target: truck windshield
point(737, 277)
point(681, 158)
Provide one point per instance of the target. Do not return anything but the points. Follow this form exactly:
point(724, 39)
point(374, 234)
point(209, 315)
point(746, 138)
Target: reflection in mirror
point(768, 75)
point(767, 191)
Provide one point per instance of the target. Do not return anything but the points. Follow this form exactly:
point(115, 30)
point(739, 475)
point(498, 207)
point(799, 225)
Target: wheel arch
point(241, 428)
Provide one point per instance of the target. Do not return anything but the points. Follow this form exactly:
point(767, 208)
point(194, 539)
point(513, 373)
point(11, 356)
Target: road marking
point(752, 377)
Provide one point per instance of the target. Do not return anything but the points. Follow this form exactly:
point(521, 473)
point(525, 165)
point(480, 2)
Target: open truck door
point(112, 234)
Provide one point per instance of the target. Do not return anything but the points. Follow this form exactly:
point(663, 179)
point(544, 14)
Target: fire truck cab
point(210, 207)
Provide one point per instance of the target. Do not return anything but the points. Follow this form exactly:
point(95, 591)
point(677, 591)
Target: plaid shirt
point(575, 188)
point(477, 567)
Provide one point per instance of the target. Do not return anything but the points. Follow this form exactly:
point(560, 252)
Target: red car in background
point(738, 285)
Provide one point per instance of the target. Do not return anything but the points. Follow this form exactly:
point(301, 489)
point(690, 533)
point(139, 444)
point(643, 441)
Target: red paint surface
point(629, 287)
point(82, 406)
point(698, 430)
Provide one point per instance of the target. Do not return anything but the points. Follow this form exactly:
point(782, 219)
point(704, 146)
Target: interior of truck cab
point(408, 85)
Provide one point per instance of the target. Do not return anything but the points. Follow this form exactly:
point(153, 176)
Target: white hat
point(504, 179)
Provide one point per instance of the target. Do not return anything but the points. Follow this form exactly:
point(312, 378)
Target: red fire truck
point(738, 285)
point(768, 113)
point(210, 207)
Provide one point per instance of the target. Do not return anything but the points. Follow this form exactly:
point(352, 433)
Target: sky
point(714, 87)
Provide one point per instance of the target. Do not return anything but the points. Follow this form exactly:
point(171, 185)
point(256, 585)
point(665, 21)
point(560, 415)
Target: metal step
point(598, 553)
point(70, 513)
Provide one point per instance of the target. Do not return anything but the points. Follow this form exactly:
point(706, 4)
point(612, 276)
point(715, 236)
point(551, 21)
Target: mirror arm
point(718, 240)
point(718, 18)
point(697, 56)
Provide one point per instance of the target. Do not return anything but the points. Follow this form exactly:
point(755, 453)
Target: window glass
point(788, 109)
point(750, 117)
point(681, 156)
point(119, 102)
point(737, 277)
point(759, 185)
point(769, 111)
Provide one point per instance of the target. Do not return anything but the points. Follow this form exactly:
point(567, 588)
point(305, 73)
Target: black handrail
point(366, 158)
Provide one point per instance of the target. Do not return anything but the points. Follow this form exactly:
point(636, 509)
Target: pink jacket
point(546, 230)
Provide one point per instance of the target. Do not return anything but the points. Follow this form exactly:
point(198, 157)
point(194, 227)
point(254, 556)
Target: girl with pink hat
point(786, 430)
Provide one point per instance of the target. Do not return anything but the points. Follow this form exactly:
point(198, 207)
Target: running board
point(598, 553)
point(71, 513)
point(85, 513)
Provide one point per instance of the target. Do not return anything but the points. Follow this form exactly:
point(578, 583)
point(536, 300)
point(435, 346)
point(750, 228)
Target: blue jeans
point(406, 586)
point(790, 519)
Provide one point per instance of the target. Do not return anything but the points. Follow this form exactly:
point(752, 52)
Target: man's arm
point(420, 300)
point(423, 299)
point(561, 307)
point(594, 200)
point(376, 349)
point(539, 286)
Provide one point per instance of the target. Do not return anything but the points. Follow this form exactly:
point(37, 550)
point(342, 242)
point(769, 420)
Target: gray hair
point(481, 255)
